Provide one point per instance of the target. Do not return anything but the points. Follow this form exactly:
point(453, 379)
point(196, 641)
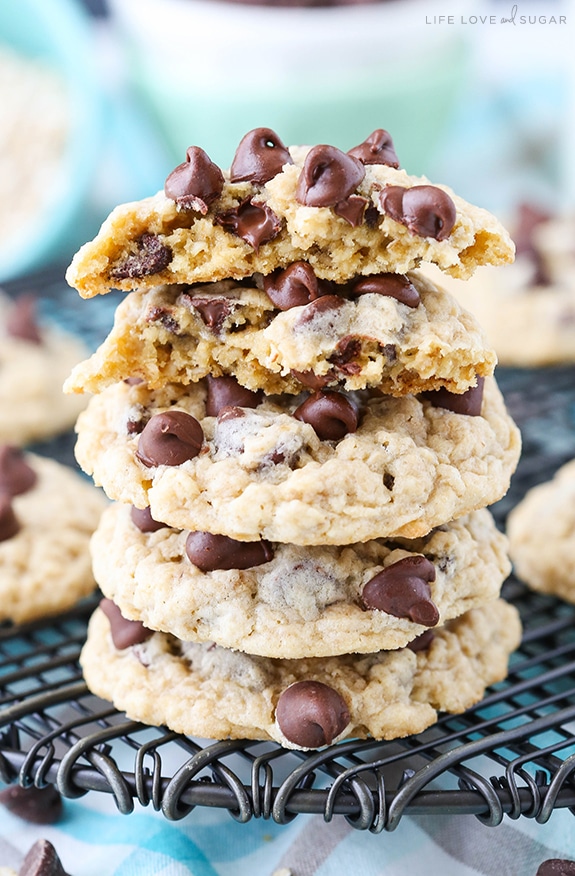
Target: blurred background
point(99, 99)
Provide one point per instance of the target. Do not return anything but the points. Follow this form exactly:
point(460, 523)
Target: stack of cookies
point(301, 435)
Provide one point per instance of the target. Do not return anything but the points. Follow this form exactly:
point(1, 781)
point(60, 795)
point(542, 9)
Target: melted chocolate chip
point(330, 414)
point(352, 209)
point(327, 177)
point(293, 287)
point(259, 157)
point(16, 476)
point(230, 412)
point(320, 305)
point(210, 552)
point(21, 320)
point(165, 317)
point(402, 590)
point(253, 222)
point(394, 285)
point(152, 257)
point(347, 350)
point(36, 805)
point(226, 391)
point(213, 311)
point(311, 714)
point(425, 210)
point(9, 525)
point(311, 380)
point(143, 520)
point(197, 182)
point(378, 148)
point(468, 403)
point(556, 867)
point(42, 860)
point(125, 633)
point(170, 438)
point(422, 642)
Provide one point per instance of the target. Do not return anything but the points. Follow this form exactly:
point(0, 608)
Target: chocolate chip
point(329, 413)
point(9, 525)
point(347, 350)
point(352, 209)
point(320, 305)
point(230, 412)
point(36, 805)
point(165, 317)
point(42, 860)
point(254, 222)
point(213, 311)
point(468, 403)
point(210, 552)
point(259, 157)
point(170, 438)
point(425, 210)
point(16, 476)
point(402, 590)
point(143, 520)
point(529, 218)
point(293, 287)
point(21, 320)
point(197, 182)
point(327, 177)
point(556, 867)
point(152, 257)
point(125, 633)
point(225, 391)
point(378, 148)
point(311, 714)
point(311, 380)
point(394, 285)
point(422, 642)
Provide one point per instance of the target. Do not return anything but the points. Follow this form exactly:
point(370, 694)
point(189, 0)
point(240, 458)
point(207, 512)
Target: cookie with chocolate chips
point(320, 468)
point(307, 703)
point(344, 213)
point(290, 331)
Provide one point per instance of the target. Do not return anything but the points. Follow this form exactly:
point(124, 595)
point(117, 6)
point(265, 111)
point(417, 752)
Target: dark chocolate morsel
point(213, 311)
point(352, 209)
point(330, 414)
point(292, 287)
point(226, 391)
point(210, 552)
point(125, 633)
point(16, 476)
point(529, 218)
point(422, 642)
point(9, 525)
point(197, 182)
point(170, 438)
point(36, 805)
point(320, 305)
point(311, 714)
point(402, 590)
point(394, 285)
point(259, 157)
point(21, 320)
point(327, 177)
point(556, 867)
point(143, 520)
point(151, 258)
point(42, 860)
point(469, 402)
point(425, 210)
point(311, 380)
point(254, 222)
point(378, 148)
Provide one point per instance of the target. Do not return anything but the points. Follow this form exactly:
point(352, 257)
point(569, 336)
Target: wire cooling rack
point(513, 754)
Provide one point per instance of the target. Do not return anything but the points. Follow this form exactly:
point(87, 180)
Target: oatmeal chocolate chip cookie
point(47, 514)
point(34, 362)
point(541, 531)
point(279, 600)
point(289, 331)
point(208, 691)
point(408, 464)
point(343, 213)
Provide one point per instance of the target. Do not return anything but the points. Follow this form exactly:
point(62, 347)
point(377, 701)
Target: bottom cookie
point(207, 691)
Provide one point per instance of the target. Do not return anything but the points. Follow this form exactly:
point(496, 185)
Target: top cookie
point(343, 213)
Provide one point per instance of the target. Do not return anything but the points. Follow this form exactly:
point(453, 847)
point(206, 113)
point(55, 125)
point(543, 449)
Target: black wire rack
point(513, 754)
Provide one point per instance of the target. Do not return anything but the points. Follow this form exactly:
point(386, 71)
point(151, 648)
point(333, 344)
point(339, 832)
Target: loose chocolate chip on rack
point(213, 311)
point(422, 642)
point(259, 157)
point(253, 222)
point(394, 285)
point(210, 552)
point(311, 714)
point(402, 590)
point(469, 402)
point(9, 525)
point(425, 210)
point(226, 391)
point(152, 257)
point(21, 320)
point(294, 286)
point(16, 476)
point(556, 867)
point(125, 633)
point(378, 148)
point(352, 209)
point(195, 183)
point(36, 805)
point(42, 860)
point(170, 438)
point(327, 177)
point(143, 520)
point(330, 414)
